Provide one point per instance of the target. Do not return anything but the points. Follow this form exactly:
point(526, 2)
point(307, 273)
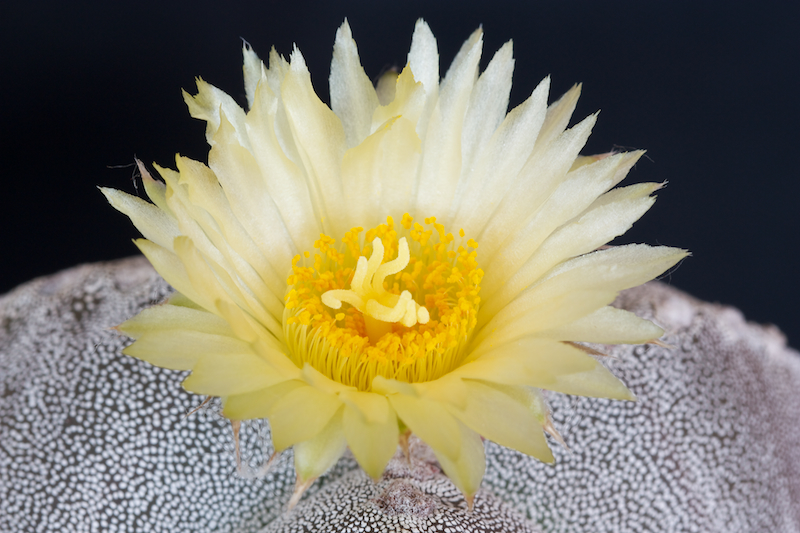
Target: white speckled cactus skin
point(91, 440)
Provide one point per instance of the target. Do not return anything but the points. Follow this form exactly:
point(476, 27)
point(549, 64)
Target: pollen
point(398, 302)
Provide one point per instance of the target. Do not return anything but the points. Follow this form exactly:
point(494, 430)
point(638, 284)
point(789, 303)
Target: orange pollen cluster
point(398, 302)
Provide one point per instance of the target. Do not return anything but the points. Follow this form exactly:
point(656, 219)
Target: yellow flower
point(412, 258)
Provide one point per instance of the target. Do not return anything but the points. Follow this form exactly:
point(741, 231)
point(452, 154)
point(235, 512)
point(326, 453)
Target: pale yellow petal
point(248, 266)
point(424, 55)
point(447, 389)
point(274, 75)
point(181, 349)
point(156, 190)
point(379, 174)
point(595, 383)
point(286, 186)
point(423, 59)
point(464, 64)
point(242, 324)
point(504, 420)
point(372, 443)
point(353, 97)
point(440, 168)
point(300, 415)
point(245, 327)
point(388, 387)
point(258, 404)
point(466, 471)
point(253, 71)
point(430, 421)
point(630, 192)
point(278, 67)
point(181, 300)
point(386, 87)
point(373, 407)
point(204, 283)
point(315, 456)
point(173, 317)
point(503, 157)
point(585, 234)
point(530, 397)
point(217, 284)
point(621, 266)
point(607, 325)
point(519, 262)
point(558, 115)
point(583, 160)
point(207, 104)
point(408, 100)
point(602, 273)
point(488, 104)
point(538, 178)
point(152, 222)
point(193, 221)
point(545, 310)
point(270, 349)
point(321, 144)
point(169, 266)
point(528, 361)
point(225, 373)
point(321, 382)
point(264, 240)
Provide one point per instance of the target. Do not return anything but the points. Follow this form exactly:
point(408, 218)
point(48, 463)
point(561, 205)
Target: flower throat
point(398, 302)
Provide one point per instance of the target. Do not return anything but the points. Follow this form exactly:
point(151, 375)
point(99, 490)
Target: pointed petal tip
point(470, 501)
point(193, 411)
point(628, 396)
point(271, 462)
point(344, 31)
point(300, 487)
point(236, 425)
point(146, 176)
point(551, 430)
point(188, 99)
point(296, 60)
point(659, 343)
point(633, 155)
point(404, 445)
point(586, 349)
point(375, 478)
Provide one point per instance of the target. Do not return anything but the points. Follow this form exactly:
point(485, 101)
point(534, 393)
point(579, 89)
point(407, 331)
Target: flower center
point(398, 302)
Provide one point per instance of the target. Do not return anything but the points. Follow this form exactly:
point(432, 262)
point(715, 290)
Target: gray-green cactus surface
point(92, 440)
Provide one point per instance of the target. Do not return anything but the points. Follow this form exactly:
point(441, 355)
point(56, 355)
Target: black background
point(710, 89)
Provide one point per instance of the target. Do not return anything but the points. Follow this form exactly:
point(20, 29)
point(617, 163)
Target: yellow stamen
point(411, 300)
